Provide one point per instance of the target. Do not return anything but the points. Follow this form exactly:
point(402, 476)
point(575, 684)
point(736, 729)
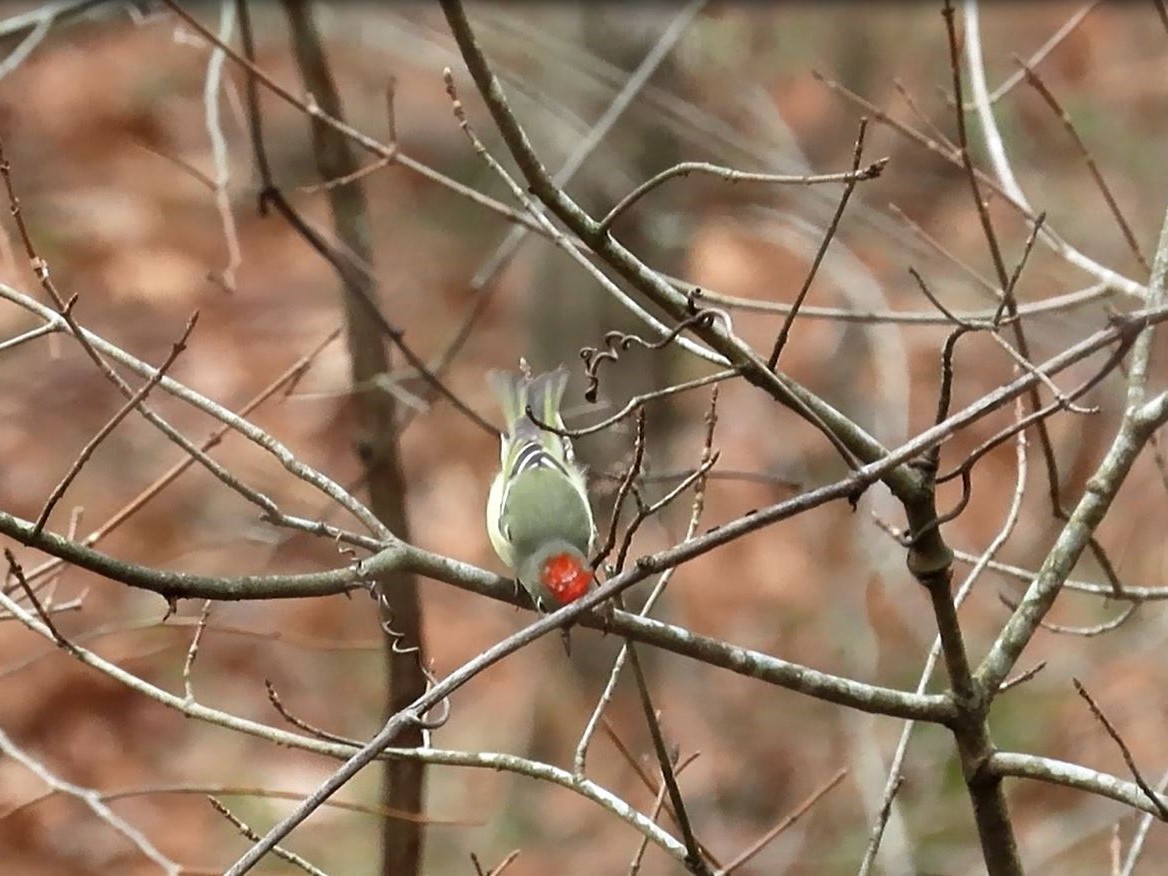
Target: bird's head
point(560, 570)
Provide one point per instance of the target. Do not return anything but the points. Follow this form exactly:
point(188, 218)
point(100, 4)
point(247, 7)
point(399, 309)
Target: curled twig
point(617, 342)
point(633, 404)
point(396, 639)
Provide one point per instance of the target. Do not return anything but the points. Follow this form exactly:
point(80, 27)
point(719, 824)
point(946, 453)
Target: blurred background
point(103, 122)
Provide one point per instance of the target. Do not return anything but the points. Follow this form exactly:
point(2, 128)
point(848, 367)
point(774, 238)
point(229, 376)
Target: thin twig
point(1038, 57)
point(1123, 749)
point(658, 805)
point(1000, 159)
point(947, 254)
point(476, 760)
point(384, 161)
point(97, 349)
point(846, 437)
point(219, 790)
point(1033, 79)
point(983, 215)
point(633, 404)
point(1055, 304)
point(799, 811)
point(300, 723)
point(1141, 834)
point(1039, 415)
point(1022, 677)
point(685, 168)
point(655, 594)
point(49, 585)
point(785, 330)
point(366, 142)
point(1013, 199)
point(46, 329)
point(934, 129)
point(127, 511)
point(1139, 421)
point(980, 564)
point(649, 510)
point(1084, 632)
point(960, 322)
point(507, 861)
point(694, 861)
point(560, 239)
point(622, 492)
point(1009, 302)
point(219, 154)
point(91, 799)
point(633, 86)
point(132, 402)
point(891, 789)
point(634, 763)
point(17, 572)
point(193, 650)
point(291, 857)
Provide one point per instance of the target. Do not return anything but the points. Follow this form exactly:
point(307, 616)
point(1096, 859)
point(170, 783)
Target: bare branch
point(131, 403)
point(476, 760)
point(1154, 798)
point(1033, 79)
point(1138, 423)
point(694, 861)
point(291, 857)
point(798, 812)
point(193, 651)
point(628, 93)
point(729, 174)
point(1137, 844)
point(1038, 57)
point(1069, 775)
point(91, 799)
point(784, 332)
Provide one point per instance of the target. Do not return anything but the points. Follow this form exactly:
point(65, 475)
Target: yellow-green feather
point(529, 508)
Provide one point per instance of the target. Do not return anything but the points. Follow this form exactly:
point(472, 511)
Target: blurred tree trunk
point(404, 780)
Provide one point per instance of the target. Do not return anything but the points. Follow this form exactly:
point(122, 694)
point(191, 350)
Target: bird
point(538, 515)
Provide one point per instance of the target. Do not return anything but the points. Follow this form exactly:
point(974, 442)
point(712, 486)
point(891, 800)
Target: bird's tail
point(516, 391)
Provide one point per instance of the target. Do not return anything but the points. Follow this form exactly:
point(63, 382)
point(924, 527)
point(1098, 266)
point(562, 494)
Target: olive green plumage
point(538, 505)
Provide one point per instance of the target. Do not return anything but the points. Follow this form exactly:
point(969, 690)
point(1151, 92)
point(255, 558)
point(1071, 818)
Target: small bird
point(538, 515)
